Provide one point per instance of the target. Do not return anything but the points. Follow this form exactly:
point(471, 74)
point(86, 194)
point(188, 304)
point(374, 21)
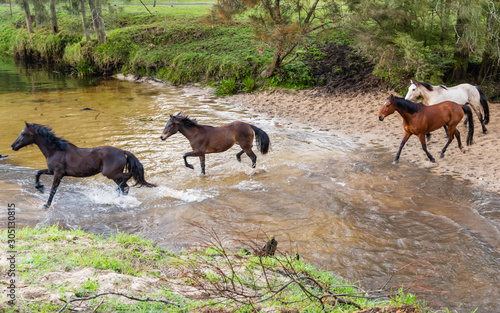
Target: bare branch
point(117, 294)
point(294, 57)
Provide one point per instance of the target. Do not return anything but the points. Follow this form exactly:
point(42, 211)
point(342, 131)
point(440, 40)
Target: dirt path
point(356, 116)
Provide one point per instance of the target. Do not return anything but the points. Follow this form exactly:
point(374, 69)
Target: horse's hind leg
point(479, 116)
point(252, 156)
point(37, 178)
point(123, 187)
point(115, 172)
point(459, 141)
point(238, 155)
point(450, 139)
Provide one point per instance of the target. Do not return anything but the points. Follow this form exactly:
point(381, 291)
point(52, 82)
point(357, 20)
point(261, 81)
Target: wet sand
point(357, 116)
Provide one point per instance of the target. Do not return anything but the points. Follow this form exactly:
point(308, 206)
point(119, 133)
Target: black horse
point(66, 159)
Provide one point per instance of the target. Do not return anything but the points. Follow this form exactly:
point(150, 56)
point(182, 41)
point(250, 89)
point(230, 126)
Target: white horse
point(461, 94)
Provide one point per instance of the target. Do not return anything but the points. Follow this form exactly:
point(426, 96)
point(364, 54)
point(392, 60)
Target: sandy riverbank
point(356, 116)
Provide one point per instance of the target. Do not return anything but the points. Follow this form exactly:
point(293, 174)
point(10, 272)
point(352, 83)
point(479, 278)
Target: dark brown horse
point(419, 119)
point(66, 159)
point(206, 139)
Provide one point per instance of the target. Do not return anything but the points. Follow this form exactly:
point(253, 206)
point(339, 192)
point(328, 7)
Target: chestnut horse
point(205, 139)
point(461, 94)
point(66, 159)
point(419, 119)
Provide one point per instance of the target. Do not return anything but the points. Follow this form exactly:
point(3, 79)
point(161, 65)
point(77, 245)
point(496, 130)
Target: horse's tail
point(262, 139)
point(135, 167)
point(484, 104)
point(468, 111)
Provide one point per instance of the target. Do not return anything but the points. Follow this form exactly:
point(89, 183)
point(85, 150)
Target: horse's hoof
point(441, 156)
point(395, 162)
point(238, 158)
point(125, 191)
point(45, 206)
point(190, 166)
point(40, 188)
point(433, 160)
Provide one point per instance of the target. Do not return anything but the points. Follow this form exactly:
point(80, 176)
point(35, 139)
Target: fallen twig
point(66, 303)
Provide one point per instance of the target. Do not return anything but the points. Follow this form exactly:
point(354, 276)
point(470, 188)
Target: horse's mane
point(408, 106)
point(46, 132)
point(427, 86)
point(430, 87)
point(186, 121)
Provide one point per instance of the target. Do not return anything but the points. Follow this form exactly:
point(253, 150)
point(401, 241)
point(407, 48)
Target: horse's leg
point(446, 131)
point(252, 156)
point(453, 132)
point(123, 187)
point(202, 163)
point(114, 170)
point(190, 154)
point(479, 116)
point(55, 184)
point(403, 142)
point(37, 178)
point(238, 155)
point(424, 147)
point(457, 134)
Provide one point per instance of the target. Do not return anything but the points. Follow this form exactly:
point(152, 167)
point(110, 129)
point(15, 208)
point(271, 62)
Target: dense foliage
point(435, 41)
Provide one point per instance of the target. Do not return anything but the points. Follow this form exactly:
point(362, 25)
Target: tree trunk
point(486, 66)
point(53, 17)
point(84, 20)
point(461, 64)
point(268, 72)
point(40, 13)
point(95, 8)
point(101, 33)
point(462, 55)
point(28, 16)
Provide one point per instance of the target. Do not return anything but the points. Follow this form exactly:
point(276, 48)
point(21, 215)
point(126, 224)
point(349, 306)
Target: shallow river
point(342, 205)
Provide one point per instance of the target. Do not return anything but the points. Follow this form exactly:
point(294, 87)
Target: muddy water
point(341, 205)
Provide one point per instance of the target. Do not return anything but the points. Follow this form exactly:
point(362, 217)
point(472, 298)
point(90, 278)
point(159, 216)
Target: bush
point(227, 87)
point(248, 84)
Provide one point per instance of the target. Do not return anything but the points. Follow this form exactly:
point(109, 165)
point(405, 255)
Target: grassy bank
point(178, 44)
point(55, 267)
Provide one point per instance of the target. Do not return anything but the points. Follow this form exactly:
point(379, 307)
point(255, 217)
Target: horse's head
point(387, 108)
point(26, 137)
point(413, 91)
point(171, 128)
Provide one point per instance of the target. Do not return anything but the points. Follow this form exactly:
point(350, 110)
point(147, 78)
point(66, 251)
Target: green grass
point(70, 264)
point(191, 48)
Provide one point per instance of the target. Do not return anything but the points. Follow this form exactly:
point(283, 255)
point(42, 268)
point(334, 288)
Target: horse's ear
point(27, 124)
point(414, 82)
point(391, 97)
